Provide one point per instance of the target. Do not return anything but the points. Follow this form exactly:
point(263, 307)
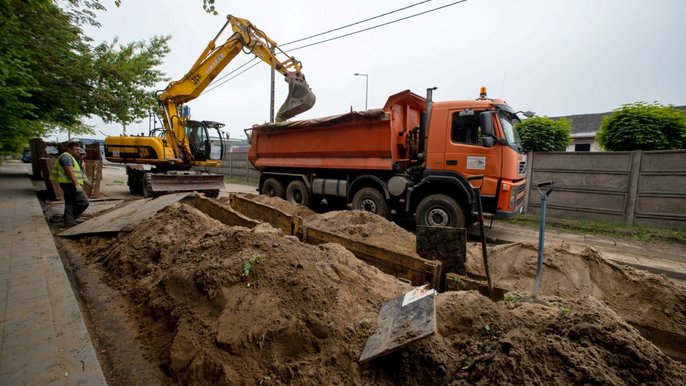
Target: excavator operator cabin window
point(465, 127)
point(197, 140)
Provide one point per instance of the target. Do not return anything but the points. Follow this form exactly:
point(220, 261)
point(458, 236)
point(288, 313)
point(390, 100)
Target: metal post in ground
point(544, 189)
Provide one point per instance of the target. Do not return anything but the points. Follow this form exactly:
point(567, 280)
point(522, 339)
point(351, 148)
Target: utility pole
point(366, 88)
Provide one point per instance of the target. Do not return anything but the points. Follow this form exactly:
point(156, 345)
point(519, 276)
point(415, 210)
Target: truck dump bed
point(361, 140)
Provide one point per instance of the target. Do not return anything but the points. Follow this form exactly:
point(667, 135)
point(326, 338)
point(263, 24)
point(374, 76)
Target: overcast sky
point(554, 57)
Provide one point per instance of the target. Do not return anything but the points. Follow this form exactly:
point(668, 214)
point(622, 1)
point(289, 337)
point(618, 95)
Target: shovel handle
point(545, 188)
point(474, 178)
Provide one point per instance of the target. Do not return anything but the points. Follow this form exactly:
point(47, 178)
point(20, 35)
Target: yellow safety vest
point(60, 175)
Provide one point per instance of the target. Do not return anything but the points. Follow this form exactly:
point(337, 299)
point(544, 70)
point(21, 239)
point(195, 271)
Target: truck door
point(465, 152)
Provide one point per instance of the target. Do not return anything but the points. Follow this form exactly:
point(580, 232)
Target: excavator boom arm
point(212, 61)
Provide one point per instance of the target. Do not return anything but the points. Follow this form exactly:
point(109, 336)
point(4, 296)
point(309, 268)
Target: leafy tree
point(51, 77)
point(123, 73)
point(643, 126)
point(545, 134)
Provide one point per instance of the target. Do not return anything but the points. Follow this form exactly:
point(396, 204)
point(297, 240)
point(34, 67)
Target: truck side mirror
point(488, 141)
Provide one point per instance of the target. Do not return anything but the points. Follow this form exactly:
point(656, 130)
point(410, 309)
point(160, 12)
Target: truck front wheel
point(440, 210)
point(273, 188)
point(371, 200)
point(297, 193)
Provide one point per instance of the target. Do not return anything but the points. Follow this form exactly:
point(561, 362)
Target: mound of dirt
point(577, 342)
point(642, 298)
point(228, 305)
point(367, 227)
point(639, 297)
point(283, 205)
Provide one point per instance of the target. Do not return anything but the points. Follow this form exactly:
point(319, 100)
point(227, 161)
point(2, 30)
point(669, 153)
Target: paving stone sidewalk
point(43, 338)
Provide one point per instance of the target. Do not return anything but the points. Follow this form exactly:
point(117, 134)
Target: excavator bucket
point(300, 97)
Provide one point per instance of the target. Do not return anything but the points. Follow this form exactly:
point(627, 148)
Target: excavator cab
point(300, 97)
point(200, 139)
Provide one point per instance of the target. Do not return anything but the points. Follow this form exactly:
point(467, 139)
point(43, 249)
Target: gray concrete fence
point(632, 188)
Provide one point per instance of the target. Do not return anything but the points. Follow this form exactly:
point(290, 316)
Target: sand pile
point(228, 305)
point(639, 297)
point(283, 205)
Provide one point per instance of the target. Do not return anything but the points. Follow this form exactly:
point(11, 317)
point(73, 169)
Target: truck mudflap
point(155, 184)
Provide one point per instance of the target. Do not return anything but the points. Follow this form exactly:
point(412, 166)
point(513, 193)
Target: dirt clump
point(230, 306)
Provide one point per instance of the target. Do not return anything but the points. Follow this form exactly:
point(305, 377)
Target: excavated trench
point(182, 298)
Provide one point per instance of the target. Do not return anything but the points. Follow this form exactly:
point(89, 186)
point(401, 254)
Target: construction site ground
point(181, 298)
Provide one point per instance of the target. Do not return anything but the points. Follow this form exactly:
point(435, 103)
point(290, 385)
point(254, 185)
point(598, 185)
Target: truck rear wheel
point(371, 200)
point(297, 193)
point(440, 210)
point(273, 188)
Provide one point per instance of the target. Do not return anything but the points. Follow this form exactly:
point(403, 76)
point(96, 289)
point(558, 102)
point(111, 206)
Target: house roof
point(590, 123)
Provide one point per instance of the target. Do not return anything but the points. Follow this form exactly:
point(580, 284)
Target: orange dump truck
point(412, 156)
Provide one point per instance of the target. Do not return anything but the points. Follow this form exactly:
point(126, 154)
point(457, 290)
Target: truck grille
point(522, 168)
point(520, 197)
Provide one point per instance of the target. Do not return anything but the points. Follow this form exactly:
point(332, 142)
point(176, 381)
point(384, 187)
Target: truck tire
point(440, 210)
point(212, 193)
point(273, 188)
point(297, 193)
point(371, 200)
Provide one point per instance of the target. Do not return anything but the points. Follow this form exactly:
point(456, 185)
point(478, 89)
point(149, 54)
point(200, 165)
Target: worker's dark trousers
point(75, 203)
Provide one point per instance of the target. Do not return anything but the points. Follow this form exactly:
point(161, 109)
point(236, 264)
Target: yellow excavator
point(186, 143)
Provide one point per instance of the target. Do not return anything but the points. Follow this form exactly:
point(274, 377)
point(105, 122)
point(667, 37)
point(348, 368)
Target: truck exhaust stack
point(300, 97)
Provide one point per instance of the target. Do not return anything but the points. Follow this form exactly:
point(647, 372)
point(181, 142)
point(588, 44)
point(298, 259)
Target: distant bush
point(545, 134)
point(643, 126)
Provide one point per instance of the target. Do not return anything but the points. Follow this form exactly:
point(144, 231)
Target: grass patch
point(605, 229)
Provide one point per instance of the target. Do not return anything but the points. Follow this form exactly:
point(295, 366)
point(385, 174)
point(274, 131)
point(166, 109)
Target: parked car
point(26, 156)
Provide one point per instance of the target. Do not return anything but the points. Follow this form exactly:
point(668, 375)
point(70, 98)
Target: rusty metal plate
point(128, 213)
point(400, 325)
point(446, 244)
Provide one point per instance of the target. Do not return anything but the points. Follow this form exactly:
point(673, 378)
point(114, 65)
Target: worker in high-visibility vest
point(67, 172)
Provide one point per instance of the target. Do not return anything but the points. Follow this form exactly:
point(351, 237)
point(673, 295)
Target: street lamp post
point(366, 87)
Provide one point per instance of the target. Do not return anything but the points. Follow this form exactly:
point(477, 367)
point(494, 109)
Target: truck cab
point(459, 144)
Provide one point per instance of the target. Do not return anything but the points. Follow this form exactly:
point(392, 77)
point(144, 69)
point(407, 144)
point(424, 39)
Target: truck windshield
point(509, 122)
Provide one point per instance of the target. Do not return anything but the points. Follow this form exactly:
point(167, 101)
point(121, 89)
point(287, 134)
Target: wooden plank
point(94, 175)
point(53, 188)
point(288, 224)
point(128, 213)
point(400, 325)
point(417, 270)
point(222, 212)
